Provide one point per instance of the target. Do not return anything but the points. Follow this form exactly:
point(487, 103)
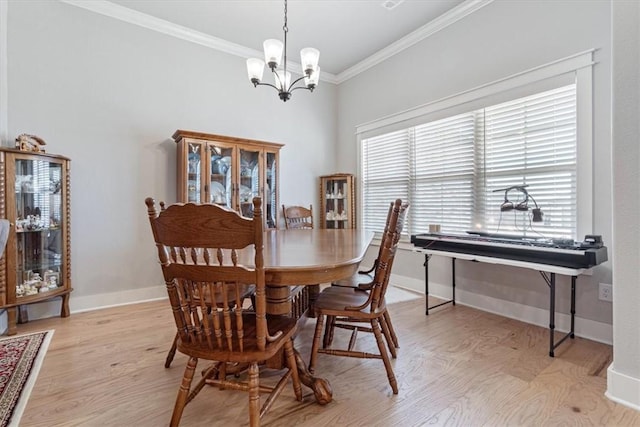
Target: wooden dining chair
point(363, 279)
point(198, 250)
point(298, 217)
point(353, 305)
point(247, 291)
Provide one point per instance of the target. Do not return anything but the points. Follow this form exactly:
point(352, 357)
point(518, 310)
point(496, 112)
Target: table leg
point(573, 306)
point(297, 303)
point(427, 257)
point(312, 291)
point(453, 281)
point(426, 283)
point(551, 282)
point(552, 311)
point(320, 387)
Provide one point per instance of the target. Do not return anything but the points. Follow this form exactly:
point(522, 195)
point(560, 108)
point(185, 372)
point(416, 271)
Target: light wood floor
point(458, 366)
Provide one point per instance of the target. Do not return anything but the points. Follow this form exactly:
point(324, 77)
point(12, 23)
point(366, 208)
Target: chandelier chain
point(284, 27)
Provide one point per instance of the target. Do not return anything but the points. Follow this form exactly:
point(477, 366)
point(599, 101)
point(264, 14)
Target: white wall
point(623, 376)
point(499, 40)
point(109, 95)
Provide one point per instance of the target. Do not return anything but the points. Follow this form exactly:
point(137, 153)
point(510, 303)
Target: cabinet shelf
point(28, 299)
point(42, 265)
point(38, 230)
point(35, 193)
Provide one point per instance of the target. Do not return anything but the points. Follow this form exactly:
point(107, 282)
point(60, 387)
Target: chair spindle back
point(209, 256)
point(388, 247)
point(298, 217)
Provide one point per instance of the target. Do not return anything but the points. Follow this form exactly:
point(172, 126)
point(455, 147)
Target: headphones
point(522, 206)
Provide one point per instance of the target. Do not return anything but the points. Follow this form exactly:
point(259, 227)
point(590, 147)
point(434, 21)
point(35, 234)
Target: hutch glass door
point(249, 186)
point(221, 176)
point(39, 215)
point(270, 201)
point(194, 170)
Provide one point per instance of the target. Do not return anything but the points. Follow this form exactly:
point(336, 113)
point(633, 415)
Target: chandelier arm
point(294, 82)
point(267, 84)
point(277, 77)
point(301, 87)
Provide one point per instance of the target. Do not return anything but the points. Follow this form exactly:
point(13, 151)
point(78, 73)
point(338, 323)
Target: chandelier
point(273, 50)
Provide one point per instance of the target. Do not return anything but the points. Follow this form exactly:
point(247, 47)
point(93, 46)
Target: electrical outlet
point(605, 292)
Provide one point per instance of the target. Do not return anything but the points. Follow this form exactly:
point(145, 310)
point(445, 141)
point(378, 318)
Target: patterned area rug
point(20, 361)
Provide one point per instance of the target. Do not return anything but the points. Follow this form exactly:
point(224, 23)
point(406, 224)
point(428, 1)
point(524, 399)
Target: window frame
point(578, 67)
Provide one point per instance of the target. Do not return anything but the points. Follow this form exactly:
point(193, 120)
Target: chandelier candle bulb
point(283, 80)
point(309, 59)
point(273, 53)
point(312, 81)
point(255, 69)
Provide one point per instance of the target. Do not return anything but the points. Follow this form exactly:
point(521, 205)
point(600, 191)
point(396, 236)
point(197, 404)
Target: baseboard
point(623, 389)
point(51, 308)
point(115, 299)
point(585, 328)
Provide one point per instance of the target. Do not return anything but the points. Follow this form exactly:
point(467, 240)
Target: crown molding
point(134, 17)
point(441, 22)
point(112, 10)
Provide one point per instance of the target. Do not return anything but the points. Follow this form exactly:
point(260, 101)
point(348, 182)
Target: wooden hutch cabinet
point(228, 171)
point(36, 264)
point(337, 201)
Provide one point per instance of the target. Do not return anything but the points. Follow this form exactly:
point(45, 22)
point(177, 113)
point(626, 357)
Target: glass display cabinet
point(36, 261)
point(337, 201)
point(228, 171)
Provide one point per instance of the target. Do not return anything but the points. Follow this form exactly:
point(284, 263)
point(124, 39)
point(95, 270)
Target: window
point(452, 170)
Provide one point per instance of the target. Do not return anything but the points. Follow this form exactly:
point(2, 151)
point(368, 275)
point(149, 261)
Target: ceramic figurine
point(26, 142)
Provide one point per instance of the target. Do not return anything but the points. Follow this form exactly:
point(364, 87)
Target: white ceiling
point(345, 31)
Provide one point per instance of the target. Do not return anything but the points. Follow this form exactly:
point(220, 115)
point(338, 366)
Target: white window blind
point(532, 141)
point(385, 175)
point(448, 169)
point(443, 175)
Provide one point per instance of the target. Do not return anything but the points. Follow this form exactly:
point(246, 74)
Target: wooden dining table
point(295, 263)
point(309, 257)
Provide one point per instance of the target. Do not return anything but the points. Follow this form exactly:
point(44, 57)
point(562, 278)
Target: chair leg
point(385, 356)
point(172, 352)
point(387, 337)
point(387, 318)
point(293, 366)
point(183, 392)
point(328, 331)
point(210, 372)
point(316, 342)
point(254, 395)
